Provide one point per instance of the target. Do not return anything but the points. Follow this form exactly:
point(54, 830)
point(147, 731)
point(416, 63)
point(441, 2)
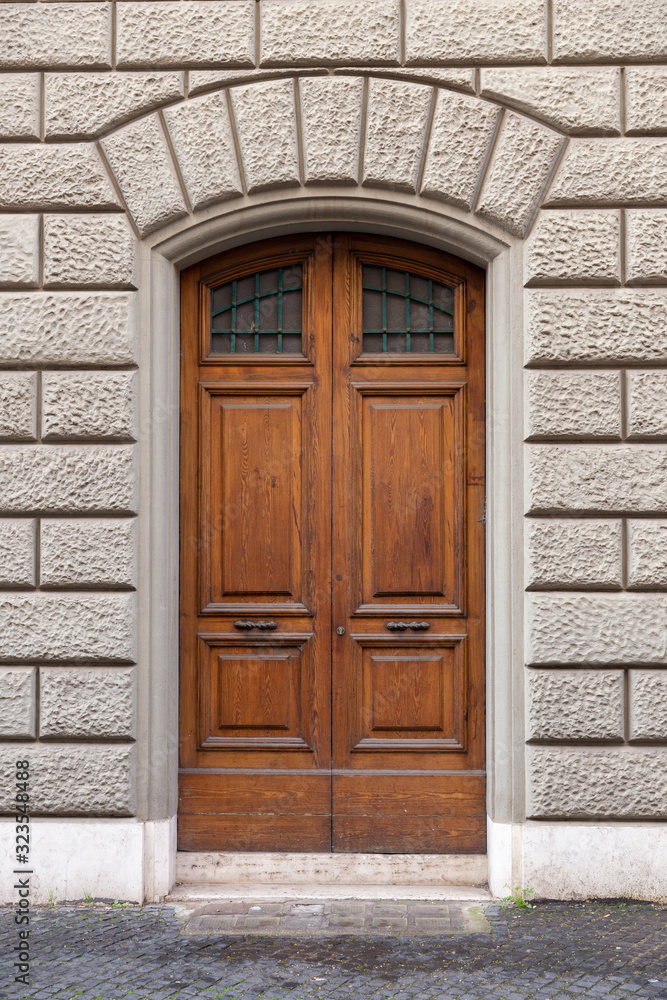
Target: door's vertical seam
point(331, 547)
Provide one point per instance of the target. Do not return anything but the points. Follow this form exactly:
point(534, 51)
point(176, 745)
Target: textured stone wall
point(120, 118)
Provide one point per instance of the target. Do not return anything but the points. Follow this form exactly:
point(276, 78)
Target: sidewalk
point(557, 951)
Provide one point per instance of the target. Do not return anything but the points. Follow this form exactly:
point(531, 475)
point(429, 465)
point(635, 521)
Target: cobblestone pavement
point(557, 951)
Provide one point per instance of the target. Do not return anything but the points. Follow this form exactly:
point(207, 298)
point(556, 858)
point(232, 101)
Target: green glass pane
point(405, 313)
point(259, 313)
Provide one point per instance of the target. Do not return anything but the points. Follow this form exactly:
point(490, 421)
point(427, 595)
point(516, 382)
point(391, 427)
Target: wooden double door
point(332, 549)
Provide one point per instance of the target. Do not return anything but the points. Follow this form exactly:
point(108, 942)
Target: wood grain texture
point(322, 490)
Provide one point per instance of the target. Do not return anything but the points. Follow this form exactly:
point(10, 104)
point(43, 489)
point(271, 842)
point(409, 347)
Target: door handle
point(245, 625)
point(402, 626)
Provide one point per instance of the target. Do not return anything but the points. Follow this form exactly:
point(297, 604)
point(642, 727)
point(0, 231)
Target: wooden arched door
point(332, 549)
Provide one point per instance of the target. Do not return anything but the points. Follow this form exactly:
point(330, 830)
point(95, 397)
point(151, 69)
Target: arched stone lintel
point(364, 133)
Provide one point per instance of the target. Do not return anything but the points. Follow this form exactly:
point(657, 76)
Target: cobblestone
point(557, 951)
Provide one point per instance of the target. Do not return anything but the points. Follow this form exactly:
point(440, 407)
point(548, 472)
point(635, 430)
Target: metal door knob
point(340, 630)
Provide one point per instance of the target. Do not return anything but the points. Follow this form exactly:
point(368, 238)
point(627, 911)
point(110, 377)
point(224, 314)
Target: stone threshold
point(220, 892)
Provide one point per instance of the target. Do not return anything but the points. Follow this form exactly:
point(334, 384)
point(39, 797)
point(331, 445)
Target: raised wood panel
point(253, 497)
point(411, 469)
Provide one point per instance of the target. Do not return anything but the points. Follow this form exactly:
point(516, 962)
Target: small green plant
point(87, 897)
point(52, 901)
point(518, 896)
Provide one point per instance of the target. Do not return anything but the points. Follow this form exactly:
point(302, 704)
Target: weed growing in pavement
point(518, 897)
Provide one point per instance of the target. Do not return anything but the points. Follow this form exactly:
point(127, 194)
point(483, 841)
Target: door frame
point(440, 226)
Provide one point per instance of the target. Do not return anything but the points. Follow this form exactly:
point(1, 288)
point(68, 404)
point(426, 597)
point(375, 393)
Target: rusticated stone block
point(76, 780)
point(68, 328)
point(395, 133)
point(596, 629)
point(603, 30)
point(265, 116)
point(331, 126)
point(87, 104)
point(19, 105)
point(182, 33)
point(58, 177)
point(581, 101)
point(67, 628)
point(570, 705)
point(491, 31)
point(460, 135)
point(596, 172)
point(646, 246)
point(139, 157)
point(645, 100)
point(19, 250)
point(522, 159)
point(88, 553)
point(596, 783)
point(647, 554)
point(572, 554)
point(647, 404)
point(17, 703)
point(648, 705)
point(17, 553)
point(68, 479)
point(89, 250)
point(596, 324)
point(307, 32)
point(48, 36)
point(89, 405)
point(201, 135)
point(18, 406)
point(87, 703)
point(606, 479)
point(573, 405)
point(574, 248)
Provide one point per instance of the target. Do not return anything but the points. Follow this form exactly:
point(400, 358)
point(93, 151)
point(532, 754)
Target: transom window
point(259, 313)
point(404, 313)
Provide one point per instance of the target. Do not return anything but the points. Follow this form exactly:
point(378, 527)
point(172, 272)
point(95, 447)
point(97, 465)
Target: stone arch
point(344, 131)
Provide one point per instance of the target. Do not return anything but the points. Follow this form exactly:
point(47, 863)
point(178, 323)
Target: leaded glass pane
point(405, 313)
point(258, 314)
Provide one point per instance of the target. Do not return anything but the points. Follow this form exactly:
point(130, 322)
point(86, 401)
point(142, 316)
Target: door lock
point(340, 630)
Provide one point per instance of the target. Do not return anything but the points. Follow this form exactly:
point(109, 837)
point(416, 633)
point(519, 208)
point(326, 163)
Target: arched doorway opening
point(332, 549)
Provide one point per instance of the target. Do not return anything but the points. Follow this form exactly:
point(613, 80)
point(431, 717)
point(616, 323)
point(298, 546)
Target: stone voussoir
point(68, 328)
point(140, 159)
point(306, 32)
point(265, 115)
point(88, 553)
point(87, 703)
point(76, 780)
point(184, 33)
point(201, 136)
point(331, 128)
point(395, 133)
point(523, 157)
